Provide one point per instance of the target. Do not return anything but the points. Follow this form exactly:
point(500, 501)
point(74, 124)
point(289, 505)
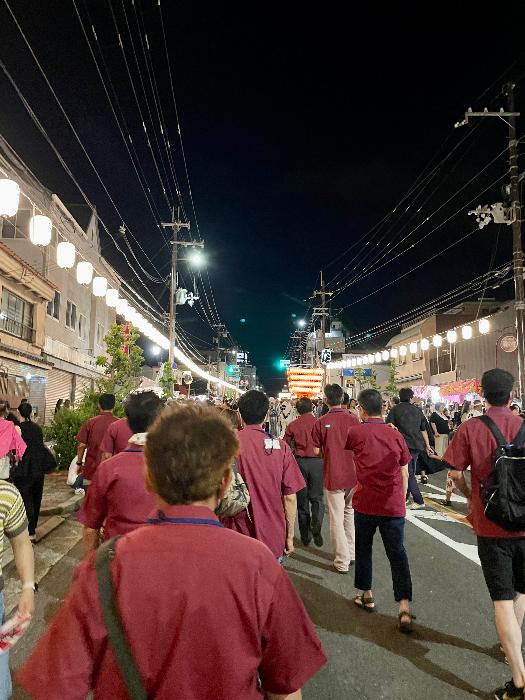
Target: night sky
point(301, 129)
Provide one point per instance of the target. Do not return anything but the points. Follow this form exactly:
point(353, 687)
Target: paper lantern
point(112, 298)
point(437, 341)
point(378, 357)
point(122, 307)
point(452, 337)
point(484, 326)
point(100, 286)
point(84, 272)
point(386, 355)
point(40, 230)
point(393, 353)
point(403, 350)
point(353, 362)
point(413, 348)
point(130, 314)
point(425, 344)
point(370, 359)
point(66, 255)
point(9, 197)
point(466, 332)
point(359, 361)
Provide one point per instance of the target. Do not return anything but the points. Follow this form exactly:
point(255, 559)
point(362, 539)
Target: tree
point(123, 362)
point(391, 387)
point(167, 381)
point(365, 382)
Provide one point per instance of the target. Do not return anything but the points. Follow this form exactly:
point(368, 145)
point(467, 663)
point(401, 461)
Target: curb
point(70, 505)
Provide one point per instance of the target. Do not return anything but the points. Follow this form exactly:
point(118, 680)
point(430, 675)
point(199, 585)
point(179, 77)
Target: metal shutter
point(83, 385)
point(59, 386)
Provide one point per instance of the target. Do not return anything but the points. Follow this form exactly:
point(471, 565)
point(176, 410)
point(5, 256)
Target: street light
point(196, 258)
point(301, 323)
point(155, 350)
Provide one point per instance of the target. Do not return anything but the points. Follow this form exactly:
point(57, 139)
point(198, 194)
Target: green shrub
point(62, 432)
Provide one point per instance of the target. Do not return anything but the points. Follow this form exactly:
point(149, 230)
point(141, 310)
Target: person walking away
point(219, 618)
point(310, 503)
point(12, 447)
point(412, 425)
point(29, 474)
point(117, 437)
point(381, 458)
point(90, 438)
point(440, 425)
point(117, 497)
point(272, 477)
point(501, 552)
point(330, 433)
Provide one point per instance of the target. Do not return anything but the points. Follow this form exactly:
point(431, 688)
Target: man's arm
point(434, 429)
point(290, 512)
point(404, 473)
point(25, 566)
point(80, 453)
point(460, 482)
point(90, 539)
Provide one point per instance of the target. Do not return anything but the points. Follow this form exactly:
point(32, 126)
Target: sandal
point(366, 604)
point(405, 626)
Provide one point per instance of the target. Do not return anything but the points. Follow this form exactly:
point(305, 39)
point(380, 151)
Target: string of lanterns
point(40, 234)
point(451, 336)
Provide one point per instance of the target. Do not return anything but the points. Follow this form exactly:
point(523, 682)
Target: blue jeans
point(392, 532)
point(6, 687)
point(413, 486)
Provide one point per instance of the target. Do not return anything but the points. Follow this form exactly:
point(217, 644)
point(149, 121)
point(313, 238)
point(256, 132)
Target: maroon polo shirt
point(474, 446)
point(379, 454)
point(92, 434)
point(270, 474)
point(117, 437)
point(207, 613)
point(117, 495)
point(299, 436)
point(330, 433)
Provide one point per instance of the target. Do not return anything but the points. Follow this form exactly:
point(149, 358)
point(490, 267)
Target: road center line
point(469, 551)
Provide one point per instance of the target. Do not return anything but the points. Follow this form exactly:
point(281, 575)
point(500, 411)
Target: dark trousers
point(413, 486)
point(310, 505)
point(31, 492)
point(392, 533)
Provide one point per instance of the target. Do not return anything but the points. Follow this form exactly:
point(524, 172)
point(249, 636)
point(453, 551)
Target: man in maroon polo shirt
point(330, 433)
point(208, 614)
point(381, 458)
point(116, 438)
point(501, 552)
point(91, 435)
point(272, 476)
point(299, 436)
point(118, 497)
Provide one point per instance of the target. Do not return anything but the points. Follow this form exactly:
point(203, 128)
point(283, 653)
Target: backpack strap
point(519, 440)
point(116, 633)
point(496, 432)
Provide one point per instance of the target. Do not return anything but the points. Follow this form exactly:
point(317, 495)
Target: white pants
point(342, 533)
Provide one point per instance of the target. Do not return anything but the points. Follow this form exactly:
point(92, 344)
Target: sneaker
point(340, 571)
point(80, 492)
point(509, 692)
point(318, 540)
point(416, 506)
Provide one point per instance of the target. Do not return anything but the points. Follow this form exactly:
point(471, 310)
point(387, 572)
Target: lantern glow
point(466, 332)
point(100, 286)
point(413, 348)
point(84, 272)
point(425, 344)
point(9, 197)
point(484, 326)
point(112, 298)
point(40, 230)
point(403, 350)
point(66, 255)
point(437, 341)
point(452, 337)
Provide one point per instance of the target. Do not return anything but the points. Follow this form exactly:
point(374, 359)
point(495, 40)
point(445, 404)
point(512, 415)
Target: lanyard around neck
point(185, 521)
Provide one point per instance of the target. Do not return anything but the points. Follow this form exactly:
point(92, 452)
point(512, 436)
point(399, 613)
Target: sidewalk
point(59, 498)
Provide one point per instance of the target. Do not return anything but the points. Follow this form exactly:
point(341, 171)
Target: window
point(100, 334)
point(16, 316)
point(82, 326)
point(53, 308)
point(71, 315)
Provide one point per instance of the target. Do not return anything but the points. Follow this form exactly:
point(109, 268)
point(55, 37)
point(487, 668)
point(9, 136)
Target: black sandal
point(405, 627)
point(366, 604)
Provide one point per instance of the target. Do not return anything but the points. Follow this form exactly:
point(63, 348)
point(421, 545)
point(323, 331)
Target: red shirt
point(91, 434)
point(117, 437)
point(118, 495)
point(206, 612)
point(379, 453)
point(270, 474)
point(330, 433)
point(474, 446)
point(299, 436)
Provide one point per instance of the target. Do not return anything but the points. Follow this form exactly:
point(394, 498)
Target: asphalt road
point(453, 652)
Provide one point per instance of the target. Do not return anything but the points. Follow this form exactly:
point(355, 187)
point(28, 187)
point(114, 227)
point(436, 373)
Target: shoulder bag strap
point(519, 440)
point(496, 432)
point(116, 633)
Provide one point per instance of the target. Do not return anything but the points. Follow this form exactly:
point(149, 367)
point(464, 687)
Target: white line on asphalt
point(470, 551)
point(434, 515)
point(454, 499)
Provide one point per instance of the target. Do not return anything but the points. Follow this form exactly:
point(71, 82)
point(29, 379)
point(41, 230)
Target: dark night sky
point(301, 131)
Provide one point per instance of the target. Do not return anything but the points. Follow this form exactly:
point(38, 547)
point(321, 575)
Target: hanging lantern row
point(413, 347)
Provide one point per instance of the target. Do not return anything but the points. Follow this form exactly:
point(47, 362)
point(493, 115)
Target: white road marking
point(454, 499)
point(433, 515)
point(470, 551)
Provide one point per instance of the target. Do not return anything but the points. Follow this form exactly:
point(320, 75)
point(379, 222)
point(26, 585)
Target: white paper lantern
point(466, 332)
point(452, 337)
point(393, 353)
point(359, 361)
point(9, 197)
point(112, 298)
point(40, 230)
point(413, 348)
point(378, 357)
point(403, 350)
point(66, 255)
point(122, 307)
point(386, 355)
point(370, 359)
point(425, 344)
point(84, 272)
point(353, 362)
point(130, 314)
point(484, 326)
point(100, 286)
point(437, 341)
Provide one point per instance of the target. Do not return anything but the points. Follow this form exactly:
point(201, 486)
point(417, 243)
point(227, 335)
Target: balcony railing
point(19, 330)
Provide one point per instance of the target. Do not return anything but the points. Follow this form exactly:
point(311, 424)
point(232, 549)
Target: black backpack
point(504, 495)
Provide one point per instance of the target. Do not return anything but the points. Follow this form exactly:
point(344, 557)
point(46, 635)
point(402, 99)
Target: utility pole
point(322, 312)
point(515, 206)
